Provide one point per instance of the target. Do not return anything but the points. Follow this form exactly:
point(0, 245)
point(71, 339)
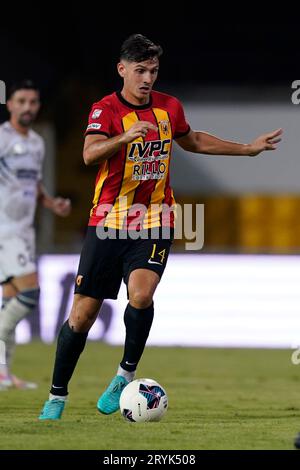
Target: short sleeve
point(182, 127)
point(99, 120)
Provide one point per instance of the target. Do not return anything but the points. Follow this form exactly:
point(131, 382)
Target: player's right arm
point(98, 147)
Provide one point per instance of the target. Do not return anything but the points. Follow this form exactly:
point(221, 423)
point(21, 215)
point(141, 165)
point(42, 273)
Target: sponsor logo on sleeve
point(96, 113)
point(94, 126)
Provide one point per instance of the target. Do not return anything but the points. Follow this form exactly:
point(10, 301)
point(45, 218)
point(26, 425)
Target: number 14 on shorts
point(157, 257)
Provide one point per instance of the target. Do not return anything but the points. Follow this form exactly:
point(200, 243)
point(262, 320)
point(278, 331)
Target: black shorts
point(103, 263)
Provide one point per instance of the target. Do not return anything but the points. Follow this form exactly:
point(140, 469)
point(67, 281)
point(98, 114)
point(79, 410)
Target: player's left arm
point(58, 205)
point(202, 142)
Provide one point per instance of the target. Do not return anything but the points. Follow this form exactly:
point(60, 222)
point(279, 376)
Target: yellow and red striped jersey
point(133, 186)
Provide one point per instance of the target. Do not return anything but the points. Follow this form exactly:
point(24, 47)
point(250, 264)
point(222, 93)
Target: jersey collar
point(133, 106)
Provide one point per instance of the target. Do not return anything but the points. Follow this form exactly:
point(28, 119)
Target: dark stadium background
point(54, 47)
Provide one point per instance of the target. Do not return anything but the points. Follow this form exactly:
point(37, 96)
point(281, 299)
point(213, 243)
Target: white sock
point(8, 345)
point(129, 376)
point(11, 313)
point(57, 397)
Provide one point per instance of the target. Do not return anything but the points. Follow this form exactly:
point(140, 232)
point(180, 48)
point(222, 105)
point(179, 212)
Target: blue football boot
point(53, 409)
point(109, 401)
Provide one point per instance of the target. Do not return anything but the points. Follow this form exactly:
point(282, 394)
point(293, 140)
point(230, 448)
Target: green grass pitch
point(218, 399)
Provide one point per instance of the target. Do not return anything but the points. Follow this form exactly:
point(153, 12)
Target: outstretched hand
point(265, 142)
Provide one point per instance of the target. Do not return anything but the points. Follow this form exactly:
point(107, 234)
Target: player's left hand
point(265, 142)
point(61, 206)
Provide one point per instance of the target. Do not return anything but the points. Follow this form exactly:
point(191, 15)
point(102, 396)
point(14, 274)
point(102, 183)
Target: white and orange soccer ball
point(143, 400)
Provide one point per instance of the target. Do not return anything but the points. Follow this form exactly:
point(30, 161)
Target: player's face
point(139, 77)
point(24, 106)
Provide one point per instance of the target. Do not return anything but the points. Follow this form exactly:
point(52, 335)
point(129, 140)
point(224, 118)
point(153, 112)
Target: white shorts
point(17, 256)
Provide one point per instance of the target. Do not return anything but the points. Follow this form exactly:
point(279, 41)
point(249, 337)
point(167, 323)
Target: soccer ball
point(143, 400)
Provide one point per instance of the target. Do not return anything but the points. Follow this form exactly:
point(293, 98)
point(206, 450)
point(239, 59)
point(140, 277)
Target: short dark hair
point(138, 48)
point(22, 85)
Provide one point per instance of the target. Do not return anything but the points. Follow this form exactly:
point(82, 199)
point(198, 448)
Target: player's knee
point(29, 297)
point(140, 298)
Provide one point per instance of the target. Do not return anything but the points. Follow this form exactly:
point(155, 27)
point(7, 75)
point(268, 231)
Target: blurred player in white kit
point(21, 159)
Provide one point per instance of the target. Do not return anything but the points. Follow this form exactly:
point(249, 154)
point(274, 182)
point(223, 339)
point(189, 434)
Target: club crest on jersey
point(96, 113)
point(164, 126)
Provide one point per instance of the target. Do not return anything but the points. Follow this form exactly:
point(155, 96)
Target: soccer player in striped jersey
point(21, 158)
point(130, 135)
